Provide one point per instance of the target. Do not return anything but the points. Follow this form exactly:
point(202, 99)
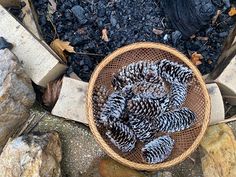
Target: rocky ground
point(96, 28)
point(83, 157)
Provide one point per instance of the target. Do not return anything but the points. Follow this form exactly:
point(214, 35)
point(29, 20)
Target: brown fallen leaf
point(214, 19)
point(232, 11)
point(51, 93)
point(60, 46)
point(157, 31)
point(195, 58)
point(105, 35)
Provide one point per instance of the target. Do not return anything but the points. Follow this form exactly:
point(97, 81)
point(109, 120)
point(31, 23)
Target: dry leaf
point(158, 31)
point(195, 58)
point(51, 93)
point(60, 46)
point(219, 147)
point(214, 19)
point(52, 7)
point(105, 35)
point(232, 11)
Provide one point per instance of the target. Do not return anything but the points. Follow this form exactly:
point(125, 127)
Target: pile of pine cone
point(147, 99)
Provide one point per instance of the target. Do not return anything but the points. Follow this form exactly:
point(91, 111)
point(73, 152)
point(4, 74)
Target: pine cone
point(174, 72)
point(135, 72)
point(143, 128)
point(121, 136)
point(175, 121)
point(100, 96)
point(113, 109)
point(147, 106)
point(158, 150)
point(178, 94)
point(150, 90)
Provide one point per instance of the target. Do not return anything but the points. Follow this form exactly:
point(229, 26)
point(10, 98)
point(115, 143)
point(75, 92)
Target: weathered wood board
point(217, 104)
point(39, 63)
point(71, 103)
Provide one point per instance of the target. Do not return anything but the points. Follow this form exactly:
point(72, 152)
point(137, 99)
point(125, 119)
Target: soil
point(126, 21)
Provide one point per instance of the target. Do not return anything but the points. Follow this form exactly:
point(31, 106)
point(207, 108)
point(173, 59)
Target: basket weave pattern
point(197, 100)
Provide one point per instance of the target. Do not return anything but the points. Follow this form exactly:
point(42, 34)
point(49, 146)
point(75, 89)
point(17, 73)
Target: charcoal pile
point(96, 28)
point(148, 98)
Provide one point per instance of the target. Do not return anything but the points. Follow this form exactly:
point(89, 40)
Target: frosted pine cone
point(113, 108)
point(174, 72)
point(175, 121)
point(178, 94)
point(158, 150)
point(100, 96)
point(135, 72)
point(121, 136)
point(150, 90)
point(147, 106)
point(143, 128)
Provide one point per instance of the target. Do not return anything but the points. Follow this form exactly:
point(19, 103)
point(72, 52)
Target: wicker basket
point(197, 100)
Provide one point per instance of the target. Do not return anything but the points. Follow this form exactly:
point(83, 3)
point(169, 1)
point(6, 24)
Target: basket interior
point(195, 101)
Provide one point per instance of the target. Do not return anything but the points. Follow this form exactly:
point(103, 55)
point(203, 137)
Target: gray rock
point(4, 44)
point(79, 12)
point(16, 95)
point(78, 145)
point(32, 155)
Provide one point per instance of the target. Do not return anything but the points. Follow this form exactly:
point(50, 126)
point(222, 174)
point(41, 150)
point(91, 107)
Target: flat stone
point(217, 104)
point(39, 63)
point(227, 82)
point(32, 156)
point(16, 95)
point(78, 145)
point(71, 103)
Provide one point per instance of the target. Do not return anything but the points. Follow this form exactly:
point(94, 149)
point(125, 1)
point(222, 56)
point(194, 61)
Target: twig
point(228, 120)
point(228, 109)
point(93, 54)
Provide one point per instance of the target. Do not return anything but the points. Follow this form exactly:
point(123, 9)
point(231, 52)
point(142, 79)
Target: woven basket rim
point(98, 137)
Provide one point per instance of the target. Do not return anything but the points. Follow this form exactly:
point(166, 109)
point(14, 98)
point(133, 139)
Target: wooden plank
point(217, 104)
point(227, 82)
point(71, 103)
point(40, 64)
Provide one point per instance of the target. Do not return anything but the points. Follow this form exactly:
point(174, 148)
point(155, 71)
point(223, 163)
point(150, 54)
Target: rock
point(227, 82)
point(71, 103)
point(78, 145)
point(4, 44)
point(189, 16)
point(176, 36)
point(217, 104)
point(32, 156)
point(110, 168)
point(16, 95)
point(219, 146)
point(79, 12)
point(30, 51)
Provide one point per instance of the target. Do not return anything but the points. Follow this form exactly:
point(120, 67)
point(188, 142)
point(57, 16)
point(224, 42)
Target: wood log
point(71, 103)
point(38, 61)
